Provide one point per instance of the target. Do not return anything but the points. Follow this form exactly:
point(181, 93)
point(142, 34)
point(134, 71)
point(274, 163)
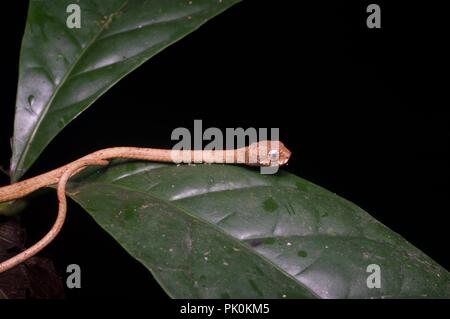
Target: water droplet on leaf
point(31, 100)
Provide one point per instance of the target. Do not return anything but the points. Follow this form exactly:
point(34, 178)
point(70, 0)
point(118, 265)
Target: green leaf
point(12, 208)
point(218, 231)
point(63, 71)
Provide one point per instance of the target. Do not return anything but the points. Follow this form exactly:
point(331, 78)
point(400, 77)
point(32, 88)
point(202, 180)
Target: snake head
point(268, 153)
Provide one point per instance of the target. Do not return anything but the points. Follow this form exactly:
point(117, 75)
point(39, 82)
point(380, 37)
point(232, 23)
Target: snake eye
point(274, 155)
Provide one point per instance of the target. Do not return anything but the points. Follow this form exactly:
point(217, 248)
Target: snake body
point(256, 154)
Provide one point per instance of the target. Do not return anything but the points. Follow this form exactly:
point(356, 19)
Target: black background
point(358, 107)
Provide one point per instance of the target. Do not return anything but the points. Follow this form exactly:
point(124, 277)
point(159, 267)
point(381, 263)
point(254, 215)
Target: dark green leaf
point(63, 71)
point(215, 231)
point(13, 207)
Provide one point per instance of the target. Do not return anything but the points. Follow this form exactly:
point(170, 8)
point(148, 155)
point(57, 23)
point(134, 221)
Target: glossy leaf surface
point(64, 70)
point(215, 231)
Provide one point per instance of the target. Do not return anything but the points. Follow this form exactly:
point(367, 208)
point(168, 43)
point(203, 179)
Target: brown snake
point(265, 153)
